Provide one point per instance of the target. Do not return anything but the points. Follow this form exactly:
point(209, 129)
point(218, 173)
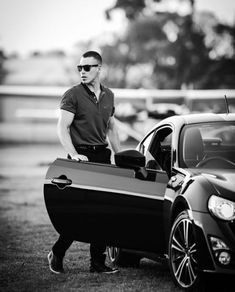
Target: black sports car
point(174, 195)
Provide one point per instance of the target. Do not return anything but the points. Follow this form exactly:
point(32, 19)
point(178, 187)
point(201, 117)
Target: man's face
point(89, 74)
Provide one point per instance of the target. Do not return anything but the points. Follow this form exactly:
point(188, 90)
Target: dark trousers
point(63, 243)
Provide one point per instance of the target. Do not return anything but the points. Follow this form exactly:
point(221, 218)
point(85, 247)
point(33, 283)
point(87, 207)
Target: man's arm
point(113, 135)
point(63, 128)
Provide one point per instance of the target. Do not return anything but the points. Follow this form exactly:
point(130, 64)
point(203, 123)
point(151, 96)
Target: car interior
point(193, 149)
point(209, 147)
point(159, 157)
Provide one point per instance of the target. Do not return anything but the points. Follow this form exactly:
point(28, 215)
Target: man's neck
point(94, 86)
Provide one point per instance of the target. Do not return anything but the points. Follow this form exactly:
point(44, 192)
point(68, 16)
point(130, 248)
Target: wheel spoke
point(115, 251)
point(185, 232)
point(191, 271)
point(180, 230)
point(180, 268)
point(192, 248)
point(177, 246)
point(112, 253)
point(193, 251)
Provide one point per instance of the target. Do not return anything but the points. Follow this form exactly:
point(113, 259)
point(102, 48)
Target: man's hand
point(79, 157)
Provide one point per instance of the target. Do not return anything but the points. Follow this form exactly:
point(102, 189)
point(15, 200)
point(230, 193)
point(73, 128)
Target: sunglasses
point(86, 68)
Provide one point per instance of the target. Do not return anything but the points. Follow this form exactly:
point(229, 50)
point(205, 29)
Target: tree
point(175, 46)
point(3, 71)
point(221, 72)
point(132, 8)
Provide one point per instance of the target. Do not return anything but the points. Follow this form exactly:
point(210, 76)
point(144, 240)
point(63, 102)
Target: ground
point(26, 235)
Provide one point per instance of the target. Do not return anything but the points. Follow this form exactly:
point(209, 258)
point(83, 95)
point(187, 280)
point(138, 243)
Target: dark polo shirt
point(91, 118)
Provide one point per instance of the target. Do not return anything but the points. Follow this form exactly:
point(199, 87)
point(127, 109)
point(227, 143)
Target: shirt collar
point(88, 89)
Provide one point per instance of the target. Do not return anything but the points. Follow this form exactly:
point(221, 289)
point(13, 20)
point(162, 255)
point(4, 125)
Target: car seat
point(193, 149)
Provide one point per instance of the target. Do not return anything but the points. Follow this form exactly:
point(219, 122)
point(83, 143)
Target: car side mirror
point(130, 159)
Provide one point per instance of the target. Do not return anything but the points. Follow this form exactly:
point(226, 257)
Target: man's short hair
point(93, 54)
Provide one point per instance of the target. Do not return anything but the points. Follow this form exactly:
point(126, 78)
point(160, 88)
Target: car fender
point(198, 192)
point(171, 210)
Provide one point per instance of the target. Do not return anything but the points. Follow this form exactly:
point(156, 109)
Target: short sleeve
point(113, 111)
point(113, 104)
point(68, 102)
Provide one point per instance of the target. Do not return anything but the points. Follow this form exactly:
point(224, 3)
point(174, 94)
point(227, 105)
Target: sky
point(30, 25)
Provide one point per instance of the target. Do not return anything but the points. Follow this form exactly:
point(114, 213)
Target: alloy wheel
point(113, 253)
point(183, 252)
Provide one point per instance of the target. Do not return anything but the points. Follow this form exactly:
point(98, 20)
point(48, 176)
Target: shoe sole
point(111, 272)
point(107, 273)
point(53, 271)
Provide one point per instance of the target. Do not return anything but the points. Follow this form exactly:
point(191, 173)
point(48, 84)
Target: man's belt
point(91, 147)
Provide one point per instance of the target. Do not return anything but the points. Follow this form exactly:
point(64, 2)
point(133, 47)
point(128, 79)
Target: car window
point(208, 145)
point(144, 146)
point(158, 155)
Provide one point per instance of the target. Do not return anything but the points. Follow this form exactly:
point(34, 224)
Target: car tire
point(122, 258)
point(182, 251)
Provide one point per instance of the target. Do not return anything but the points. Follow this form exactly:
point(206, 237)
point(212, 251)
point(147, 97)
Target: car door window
point(144, 146)
point(160, 149)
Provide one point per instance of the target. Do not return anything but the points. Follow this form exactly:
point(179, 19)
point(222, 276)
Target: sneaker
point(55, 263)
point(102, 268)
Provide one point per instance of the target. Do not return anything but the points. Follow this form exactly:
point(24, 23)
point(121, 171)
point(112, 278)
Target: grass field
point(26, 235)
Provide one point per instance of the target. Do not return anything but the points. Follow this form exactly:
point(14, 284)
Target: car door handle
point(61, 181)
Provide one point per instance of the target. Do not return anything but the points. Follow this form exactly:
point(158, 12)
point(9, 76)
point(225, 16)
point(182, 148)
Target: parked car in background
point(214, 101)
point(165, 106)
point(172, 197)
point(164, 110)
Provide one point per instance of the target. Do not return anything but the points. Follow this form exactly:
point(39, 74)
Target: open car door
point(106, 204)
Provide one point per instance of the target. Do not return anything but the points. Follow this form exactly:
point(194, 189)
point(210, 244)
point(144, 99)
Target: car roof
point(181, 120)
point(199, 118)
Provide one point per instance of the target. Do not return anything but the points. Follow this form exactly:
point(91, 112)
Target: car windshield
point(209, 145)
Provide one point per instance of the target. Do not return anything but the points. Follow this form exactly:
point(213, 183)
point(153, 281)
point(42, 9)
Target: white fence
point(29, 113)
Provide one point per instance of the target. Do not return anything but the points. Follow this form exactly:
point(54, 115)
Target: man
point(85, 122)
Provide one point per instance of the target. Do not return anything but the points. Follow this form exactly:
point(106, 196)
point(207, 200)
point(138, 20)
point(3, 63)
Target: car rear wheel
point(182, 252)
point(122, 258)
point(113, 254)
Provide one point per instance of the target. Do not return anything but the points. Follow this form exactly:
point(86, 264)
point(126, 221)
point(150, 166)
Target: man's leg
point(55, 257)
point(98, 256)
point(97, 251)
